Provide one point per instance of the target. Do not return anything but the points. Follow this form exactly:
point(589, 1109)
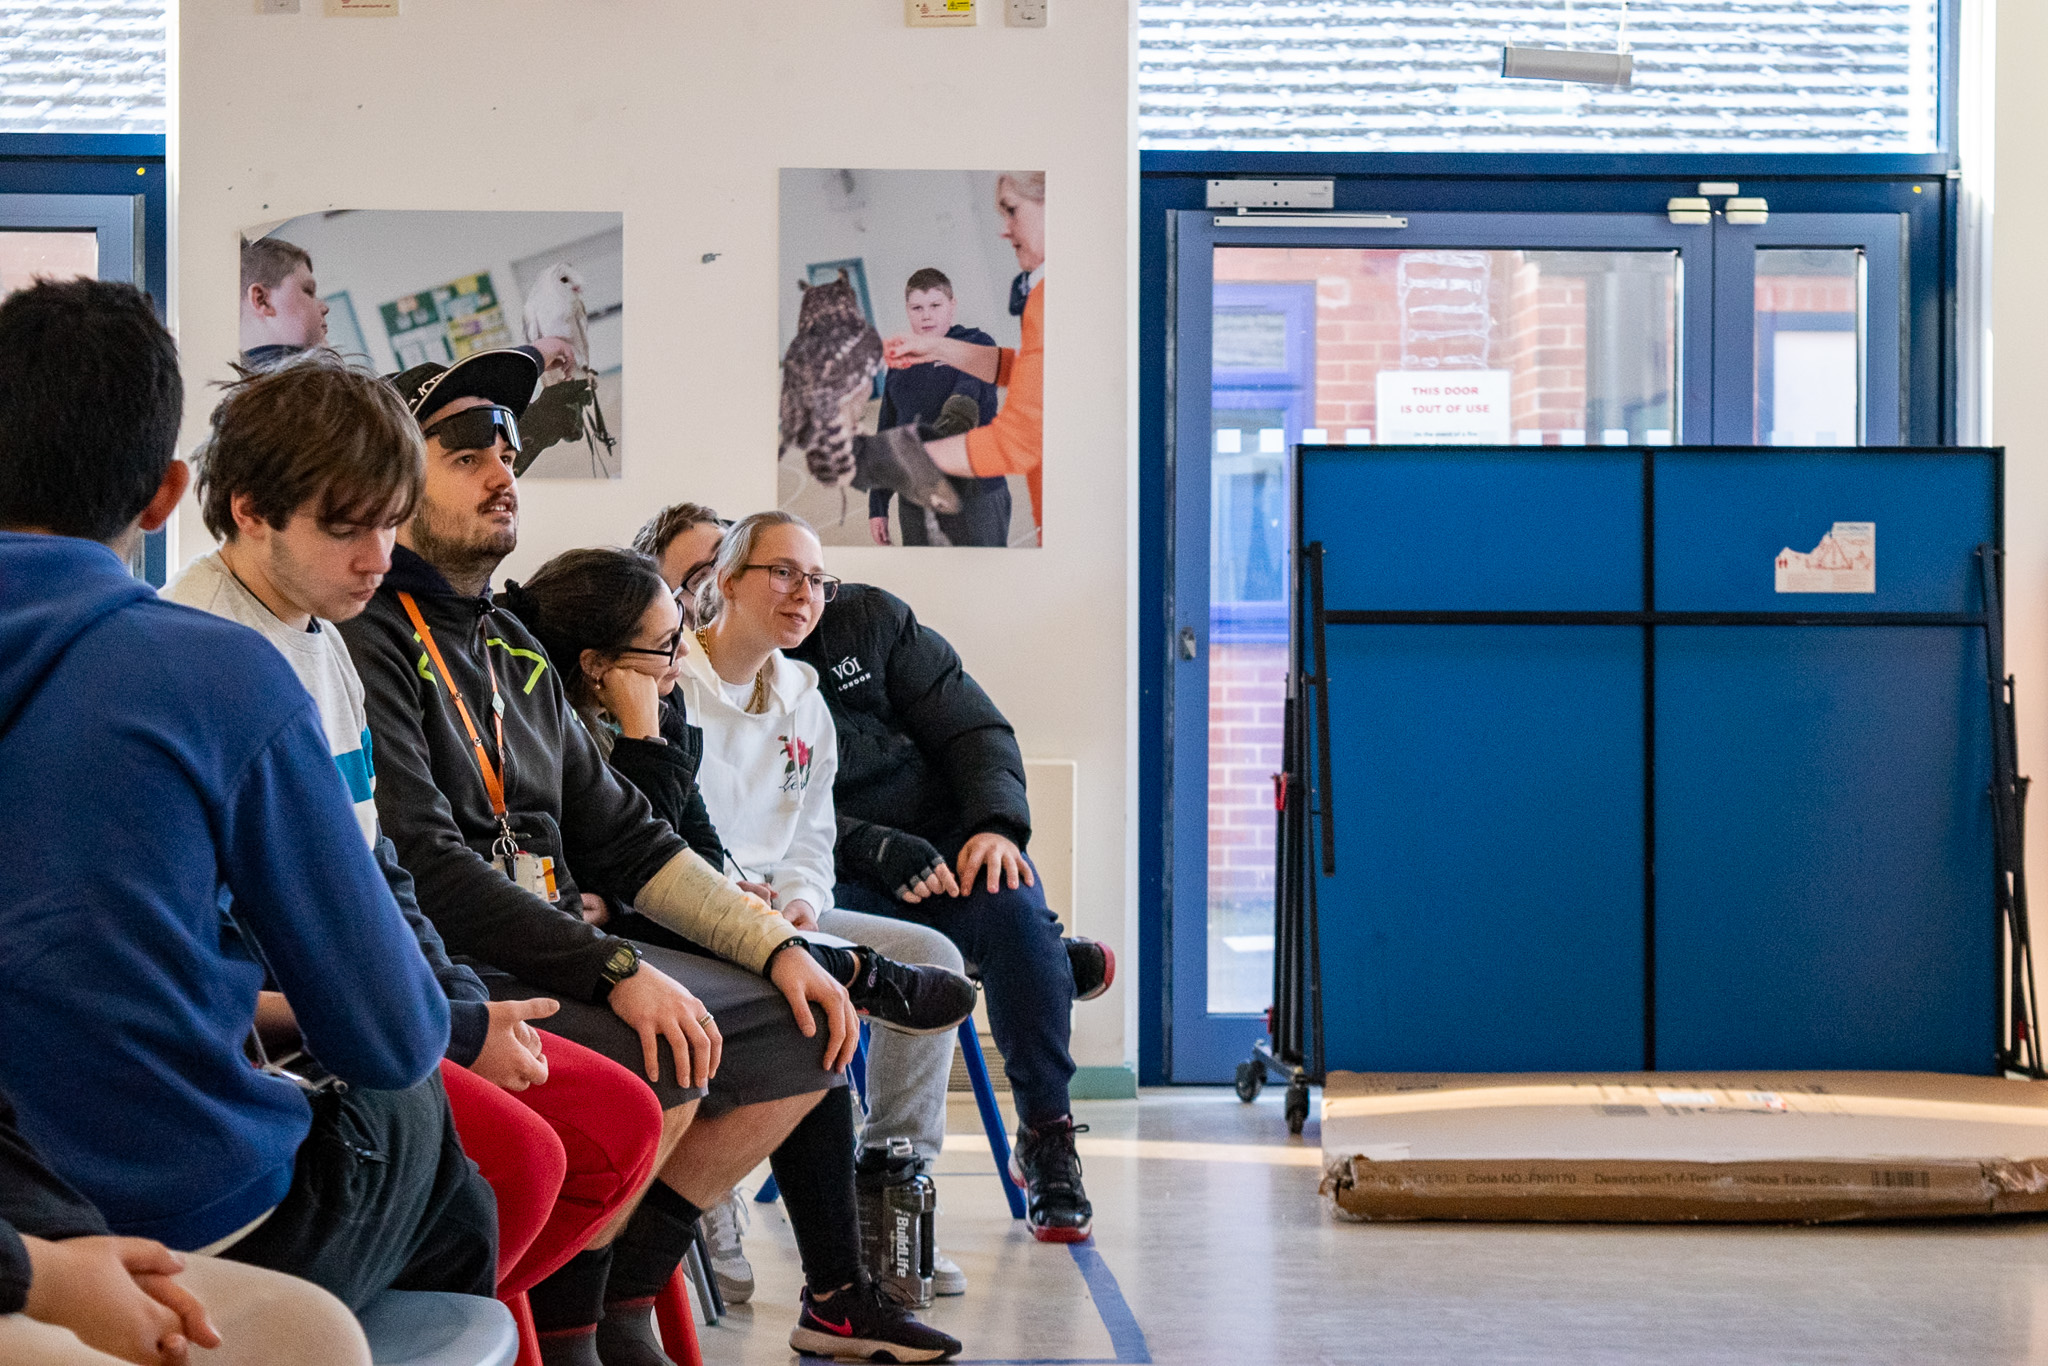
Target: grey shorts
point(764, 1058)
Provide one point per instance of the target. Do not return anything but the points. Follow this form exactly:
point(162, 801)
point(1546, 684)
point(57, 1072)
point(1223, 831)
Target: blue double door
point(1551, 330)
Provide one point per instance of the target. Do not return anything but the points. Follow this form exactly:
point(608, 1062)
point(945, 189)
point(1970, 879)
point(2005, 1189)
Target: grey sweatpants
point(907, 1073)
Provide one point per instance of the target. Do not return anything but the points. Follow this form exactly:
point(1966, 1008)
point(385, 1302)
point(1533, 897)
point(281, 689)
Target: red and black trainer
point(1044, 1163)
point(1094, 967)
point(860, 1323)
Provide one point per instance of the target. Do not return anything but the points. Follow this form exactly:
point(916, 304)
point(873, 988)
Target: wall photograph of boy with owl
point(911, 334)
point(399, 288)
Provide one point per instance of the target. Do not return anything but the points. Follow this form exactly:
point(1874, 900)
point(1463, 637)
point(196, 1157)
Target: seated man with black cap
point(511, 822)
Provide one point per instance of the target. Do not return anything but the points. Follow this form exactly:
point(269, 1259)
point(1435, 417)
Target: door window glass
point(1365, 345)
point(27, 256)
point(1809, 347)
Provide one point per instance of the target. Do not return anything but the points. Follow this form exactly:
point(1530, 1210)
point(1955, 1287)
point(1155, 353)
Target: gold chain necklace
point(757, 701)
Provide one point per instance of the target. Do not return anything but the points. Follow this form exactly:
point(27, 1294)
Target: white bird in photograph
point(555, 308)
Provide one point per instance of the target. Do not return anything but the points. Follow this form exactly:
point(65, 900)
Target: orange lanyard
point(494, 785)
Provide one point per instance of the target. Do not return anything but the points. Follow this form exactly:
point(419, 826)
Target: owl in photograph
point(555, 308)
point(828, 375)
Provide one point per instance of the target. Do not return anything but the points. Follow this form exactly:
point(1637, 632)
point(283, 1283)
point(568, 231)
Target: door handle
point(1188, 645)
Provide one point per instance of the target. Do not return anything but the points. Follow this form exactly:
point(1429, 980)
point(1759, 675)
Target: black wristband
point(793, 941)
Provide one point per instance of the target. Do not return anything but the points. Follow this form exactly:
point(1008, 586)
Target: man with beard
point(515, 829)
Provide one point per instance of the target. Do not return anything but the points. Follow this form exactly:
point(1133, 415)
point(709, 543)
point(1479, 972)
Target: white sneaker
point(723, 1223)
point(947, 1277)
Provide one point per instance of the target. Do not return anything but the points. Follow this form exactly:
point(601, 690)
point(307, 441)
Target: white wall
point(681, 115)
point(2018, 306)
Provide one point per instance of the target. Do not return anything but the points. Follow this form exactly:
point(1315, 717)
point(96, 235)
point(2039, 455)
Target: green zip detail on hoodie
point(540, 661)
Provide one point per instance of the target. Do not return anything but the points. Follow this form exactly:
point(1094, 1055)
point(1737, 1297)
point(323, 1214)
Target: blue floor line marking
point(1124, 1333)
point(1122, 1325)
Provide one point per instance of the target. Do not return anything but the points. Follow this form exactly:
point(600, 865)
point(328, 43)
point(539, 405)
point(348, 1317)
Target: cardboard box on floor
point(1662, 1147)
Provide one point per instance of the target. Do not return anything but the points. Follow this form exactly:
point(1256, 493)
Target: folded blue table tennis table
point(1620, 758)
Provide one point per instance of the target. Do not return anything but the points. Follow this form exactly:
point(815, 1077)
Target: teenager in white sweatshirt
point(770, 755)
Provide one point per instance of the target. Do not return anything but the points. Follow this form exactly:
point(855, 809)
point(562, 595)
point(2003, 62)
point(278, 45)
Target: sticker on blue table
point(1845, 561)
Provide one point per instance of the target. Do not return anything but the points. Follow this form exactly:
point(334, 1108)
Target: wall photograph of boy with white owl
point(403, 287)
point(911, 339)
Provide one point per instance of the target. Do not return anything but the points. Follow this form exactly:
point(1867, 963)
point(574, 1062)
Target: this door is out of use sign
point(1444, 407)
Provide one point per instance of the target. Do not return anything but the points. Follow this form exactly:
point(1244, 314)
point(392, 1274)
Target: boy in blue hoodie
point(158, 764)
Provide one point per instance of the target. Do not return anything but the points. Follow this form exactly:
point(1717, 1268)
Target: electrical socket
point(1025, 13)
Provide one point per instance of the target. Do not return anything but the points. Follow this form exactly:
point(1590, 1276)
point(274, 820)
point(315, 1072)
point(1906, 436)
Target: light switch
point(939, 13)
point(1025, 13)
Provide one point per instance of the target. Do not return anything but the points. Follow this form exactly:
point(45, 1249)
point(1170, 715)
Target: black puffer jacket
point(922, 749)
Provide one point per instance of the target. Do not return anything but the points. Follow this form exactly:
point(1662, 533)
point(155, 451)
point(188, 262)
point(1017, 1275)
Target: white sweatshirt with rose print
point(767, 778)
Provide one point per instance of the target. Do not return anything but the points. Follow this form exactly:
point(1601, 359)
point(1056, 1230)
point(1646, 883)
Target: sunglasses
point(477, 429)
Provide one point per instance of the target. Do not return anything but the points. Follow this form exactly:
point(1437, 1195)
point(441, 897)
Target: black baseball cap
point(505, 377)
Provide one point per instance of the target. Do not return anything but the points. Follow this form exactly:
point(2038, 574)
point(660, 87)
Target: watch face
point(624, 959)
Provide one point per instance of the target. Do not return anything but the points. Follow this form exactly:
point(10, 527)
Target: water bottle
point(897, 1204)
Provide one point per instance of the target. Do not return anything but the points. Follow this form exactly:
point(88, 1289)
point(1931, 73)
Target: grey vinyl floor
point(1212, 1246)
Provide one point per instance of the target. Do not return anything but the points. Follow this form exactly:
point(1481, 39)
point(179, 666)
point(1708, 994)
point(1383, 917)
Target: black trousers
point(382, 1197)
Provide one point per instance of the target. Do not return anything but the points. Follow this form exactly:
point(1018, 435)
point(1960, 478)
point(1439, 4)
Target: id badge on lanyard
point(529, 872)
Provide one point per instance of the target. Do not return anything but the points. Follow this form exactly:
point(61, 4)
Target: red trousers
point(563, 1156)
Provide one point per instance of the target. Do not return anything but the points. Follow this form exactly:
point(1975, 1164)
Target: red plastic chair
point(677, 1320)
point(529, 1340)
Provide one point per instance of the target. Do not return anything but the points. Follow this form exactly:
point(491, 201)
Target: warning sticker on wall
point(1845, 561)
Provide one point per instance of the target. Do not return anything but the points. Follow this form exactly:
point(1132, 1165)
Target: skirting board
point(1103, 1083)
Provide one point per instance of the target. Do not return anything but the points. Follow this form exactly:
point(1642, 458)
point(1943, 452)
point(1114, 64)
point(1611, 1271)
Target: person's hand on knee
point(117, 1295)
point(1002, 859)
point(804, 984)
point(659, 1007)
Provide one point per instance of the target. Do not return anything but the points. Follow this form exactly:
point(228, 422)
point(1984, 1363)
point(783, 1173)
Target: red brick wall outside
point(1247, 690)
point(1805, 294)
point(1380, 309)
point(1547, 350)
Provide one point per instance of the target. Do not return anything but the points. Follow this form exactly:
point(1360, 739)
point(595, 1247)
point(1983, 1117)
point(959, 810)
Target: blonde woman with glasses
point(770, 755)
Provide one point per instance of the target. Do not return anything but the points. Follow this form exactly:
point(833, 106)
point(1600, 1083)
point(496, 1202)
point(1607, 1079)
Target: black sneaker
point(1044, 1163)
point(1093, 964)
point(860, 1323)
point(911, 998)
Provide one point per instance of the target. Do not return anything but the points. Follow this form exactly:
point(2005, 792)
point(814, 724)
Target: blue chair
point(424, 1328)
point(984, 1100)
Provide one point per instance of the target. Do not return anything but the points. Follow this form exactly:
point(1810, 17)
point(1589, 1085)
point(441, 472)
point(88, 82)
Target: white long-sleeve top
point(767, 778)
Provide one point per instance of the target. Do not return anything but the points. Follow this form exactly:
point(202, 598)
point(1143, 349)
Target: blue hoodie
point(153, 757)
